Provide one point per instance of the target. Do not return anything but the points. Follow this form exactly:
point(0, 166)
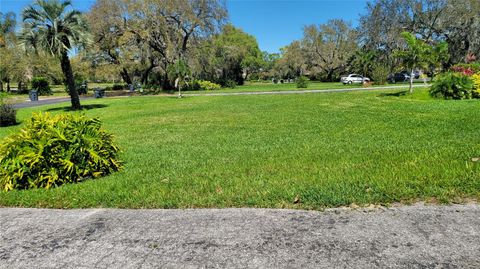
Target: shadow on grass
point(84, 107)
point(10, 125)
point(395, 94)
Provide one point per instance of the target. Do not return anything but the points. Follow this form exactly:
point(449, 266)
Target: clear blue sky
point(275, 23)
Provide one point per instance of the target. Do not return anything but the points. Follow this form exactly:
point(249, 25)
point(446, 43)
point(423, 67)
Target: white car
point(354, 78)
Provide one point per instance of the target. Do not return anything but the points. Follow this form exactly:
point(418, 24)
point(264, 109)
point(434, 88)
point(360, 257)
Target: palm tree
point(364, 60)
point(50, 27)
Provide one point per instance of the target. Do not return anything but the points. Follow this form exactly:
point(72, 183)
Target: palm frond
point(49, 26)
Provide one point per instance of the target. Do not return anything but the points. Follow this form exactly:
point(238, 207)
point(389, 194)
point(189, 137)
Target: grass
point(326, 150)
point(312, 85)
point(59, 90)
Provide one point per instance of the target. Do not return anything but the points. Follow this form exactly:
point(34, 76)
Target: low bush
point(466, 69)
point(191, 86)
point(40, 84)
point(53, 150)
point(453, 86)
point(230, 84)
point(302, 82)
point(8, 115)
point(205, 85)
point(380, 73)
point(118, 87)
point(476, 85)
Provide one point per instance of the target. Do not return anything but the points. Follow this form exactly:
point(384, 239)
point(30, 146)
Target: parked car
point(416, 74)
point(398, 77)
point(354, 78)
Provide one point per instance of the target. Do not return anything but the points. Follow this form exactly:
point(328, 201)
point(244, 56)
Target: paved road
point(403, 237)
point(50, 101)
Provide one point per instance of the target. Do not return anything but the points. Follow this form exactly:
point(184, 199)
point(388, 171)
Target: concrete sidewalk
point(403, 237)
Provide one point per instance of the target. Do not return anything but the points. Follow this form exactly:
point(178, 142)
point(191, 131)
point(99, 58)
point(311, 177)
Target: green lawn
point(59, 90)
point(328, 150)
point(268, 86)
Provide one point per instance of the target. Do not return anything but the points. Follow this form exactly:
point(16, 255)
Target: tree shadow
point(84, 107)
point(395, 94)
point(10, 125)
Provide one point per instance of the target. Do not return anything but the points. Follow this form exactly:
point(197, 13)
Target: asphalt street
point(415, 236)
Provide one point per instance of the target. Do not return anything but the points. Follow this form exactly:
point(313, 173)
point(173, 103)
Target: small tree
point(180, 71)
point(414, 55)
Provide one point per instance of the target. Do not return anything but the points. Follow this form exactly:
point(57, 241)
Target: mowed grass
point(306, 151)
point(312, 85)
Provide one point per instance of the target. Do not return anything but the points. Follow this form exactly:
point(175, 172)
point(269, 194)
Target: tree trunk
point(8, 85)
point(125, 76)
point(20, 86)
point(330, 75)
point(68, 73)
point(411, 81)
point(167, 84)
point(145, 74)
point(1, 86)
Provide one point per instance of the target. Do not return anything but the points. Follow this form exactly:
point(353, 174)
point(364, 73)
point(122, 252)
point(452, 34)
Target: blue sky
point(275, 23)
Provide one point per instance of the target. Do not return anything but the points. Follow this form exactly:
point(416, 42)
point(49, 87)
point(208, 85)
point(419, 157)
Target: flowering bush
point(466, 69)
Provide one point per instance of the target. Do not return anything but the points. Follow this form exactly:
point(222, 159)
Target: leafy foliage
point(380, 73)
point(118, 87)
point(205, 85)
point(40, 84)
point(230, 84)
point(302, 82)
point(466, 69)
point(49, 26)
point(53, 150)
point(453, 86)
point(363, 61)
point(179, 71)
point(476, 85)
point(232, 55)
point(8, 114)
point(328, 47)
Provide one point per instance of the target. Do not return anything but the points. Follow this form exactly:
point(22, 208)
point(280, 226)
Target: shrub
point(302, 82)
point(118, 87)
point(40, 84)
point(205, 85)
point(380, 73)
point(230, 84)
point(452, 86)
point(82, 86)
point(8, 115)
point(192, 86)
point(476, 85)
point(53, 150)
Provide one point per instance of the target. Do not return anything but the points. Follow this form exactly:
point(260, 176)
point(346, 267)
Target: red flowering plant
point(466, 69)
point(470, 58)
